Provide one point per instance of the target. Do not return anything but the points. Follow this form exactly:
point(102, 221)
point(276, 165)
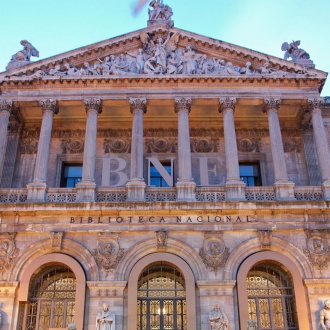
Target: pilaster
point(321, 144)
point(37, 189)
point(5, 110)
point(136, 186)
point(284, 189)
point(185, 186)
point(235, 188)
point(86, 187)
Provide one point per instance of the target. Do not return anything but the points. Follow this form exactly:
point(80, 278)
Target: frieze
point(214, 253)
point(14, 128)
point(248, 145)
point(194, 132)
point(121, 133)
point(291, 144)
point(8, 250)
point(68, 134)
point(204, 145)
point(161, 145)
point(75, 146)
point(117, 145)
point(317, 248)
point(31, 133)
point(29, 146)
point(108, 253)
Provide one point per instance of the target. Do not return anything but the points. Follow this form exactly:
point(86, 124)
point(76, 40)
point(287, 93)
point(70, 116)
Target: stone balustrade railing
point(61, 195)
point(13, 195)
point(210, 194)
point(168, 194)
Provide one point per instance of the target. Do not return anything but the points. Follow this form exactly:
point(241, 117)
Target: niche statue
point(105, 320)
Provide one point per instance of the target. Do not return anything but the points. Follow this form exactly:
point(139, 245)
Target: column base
point(136, 191)
point(284, 191)
point(85, 191)
point(36, 192)
point(326, 190)
point(235, 191)
point(185, 191)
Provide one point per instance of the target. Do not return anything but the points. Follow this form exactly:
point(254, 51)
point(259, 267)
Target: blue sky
point(58, 26)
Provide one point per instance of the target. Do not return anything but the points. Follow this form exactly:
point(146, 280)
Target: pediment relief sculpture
point(158, 53)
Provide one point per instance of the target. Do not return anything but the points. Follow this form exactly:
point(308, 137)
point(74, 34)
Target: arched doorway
point(51, 302)
point(161, 299)
point(271, 300)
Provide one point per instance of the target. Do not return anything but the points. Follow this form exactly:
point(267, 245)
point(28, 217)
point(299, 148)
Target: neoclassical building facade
point(180, 180)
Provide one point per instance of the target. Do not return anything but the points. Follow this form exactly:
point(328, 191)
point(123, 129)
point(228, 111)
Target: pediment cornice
point(215, 52)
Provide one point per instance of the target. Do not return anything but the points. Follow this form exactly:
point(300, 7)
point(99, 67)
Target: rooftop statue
point(298, 55)
point(22, 57)
point(159, 13)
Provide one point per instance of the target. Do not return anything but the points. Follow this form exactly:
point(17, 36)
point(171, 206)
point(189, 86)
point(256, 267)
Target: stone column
point(235, 188)
point(136, 186)
point(5, 109)
point(37, 189)
point(321, 144)
point(86, 187)
point(283, 187)
point(185, 186)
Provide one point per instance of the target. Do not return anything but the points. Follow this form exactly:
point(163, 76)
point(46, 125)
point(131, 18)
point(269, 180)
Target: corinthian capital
point(315, 104)
point(182, 103)
point(227, 103)
point(49, 105)
point(93, 105)
point(6, 105)
point(271, 104)
point(138, 103)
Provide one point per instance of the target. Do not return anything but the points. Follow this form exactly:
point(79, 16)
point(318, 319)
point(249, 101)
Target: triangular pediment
point(159, 51)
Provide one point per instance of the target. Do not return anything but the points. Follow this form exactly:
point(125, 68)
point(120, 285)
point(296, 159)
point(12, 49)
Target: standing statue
point(159, 11)
point(325, 316)
point(105, 320)
point(22, 57)
point(218, 320)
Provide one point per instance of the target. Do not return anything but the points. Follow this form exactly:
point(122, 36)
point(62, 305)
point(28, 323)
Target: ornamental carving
point(120, 132)
point(93, 105)
point(8, 250)
point(31, 133)
point(6, 106)
point(72, 146)
point(108, 253)
point(160, 132)
point(204, 145)
point(227, 103)
point(214, 253)
point(29, 146)
point(117, 145)
point(248, 145)
point(75, 134)
point(56, 240)
point(182, 104)
point(138, 104)
point(161, 239)
point(271, 104)
point(291, 144)
point(317, 248)
point(161, 145)
point(49, 105)
point(315, 104)
point(265, 237)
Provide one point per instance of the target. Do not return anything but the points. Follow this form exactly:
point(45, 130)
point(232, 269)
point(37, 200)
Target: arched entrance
point(179, 274)
point(161, 299)
point(51, 302)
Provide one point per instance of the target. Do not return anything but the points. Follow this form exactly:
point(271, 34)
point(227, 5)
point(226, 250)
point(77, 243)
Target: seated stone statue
point(325, 316)
point(218, 320)
point(105, 320)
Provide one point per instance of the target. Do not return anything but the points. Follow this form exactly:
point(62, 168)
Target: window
point(160, 172)
point(161, 299)
point(250, 174)
point(271, 301)
point(51, 303)
point(71, 175)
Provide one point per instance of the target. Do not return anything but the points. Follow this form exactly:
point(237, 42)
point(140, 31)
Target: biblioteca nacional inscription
point(164, 219)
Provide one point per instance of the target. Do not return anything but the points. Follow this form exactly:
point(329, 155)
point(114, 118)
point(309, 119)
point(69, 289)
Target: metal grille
point(51, 300)
point(270, 298)
point(161, 299)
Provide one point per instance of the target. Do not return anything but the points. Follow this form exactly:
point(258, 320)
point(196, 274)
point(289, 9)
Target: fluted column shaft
point(5, 109)
point(93, 109)
point(271, 107)
point(182, 108)
point(49, 109)
point(227, 107)
point(138, 109)
point(321, 142)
